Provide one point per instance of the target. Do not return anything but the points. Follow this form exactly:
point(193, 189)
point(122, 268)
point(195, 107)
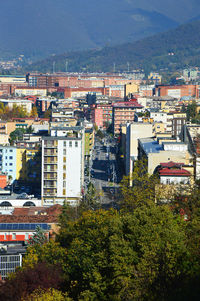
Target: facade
point(155, 152)
point(135, 131)
point(26, 91)
point(178, 91)
point(124, 112)
point(62, 166)
point(8, 164)
point(24, 103)
point(9, 263)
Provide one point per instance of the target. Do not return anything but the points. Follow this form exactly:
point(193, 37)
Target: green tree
point(135, 256)
point(38, 238)
point(47, 295)
point(138, 188)
point(192, 111)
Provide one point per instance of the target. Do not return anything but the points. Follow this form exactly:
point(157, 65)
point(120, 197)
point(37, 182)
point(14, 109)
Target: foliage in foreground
point(106, 255)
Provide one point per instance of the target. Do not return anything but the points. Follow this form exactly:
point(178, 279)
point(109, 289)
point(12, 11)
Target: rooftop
point(150, 145)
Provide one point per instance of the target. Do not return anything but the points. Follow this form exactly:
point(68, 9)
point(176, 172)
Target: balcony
point(50, 176)
point(50, 186)
point(48, 144)
point(46, 161)
point(51, 169)
point(52, 153)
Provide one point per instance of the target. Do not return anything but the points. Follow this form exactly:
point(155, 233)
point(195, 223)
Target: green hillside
point(151, 53)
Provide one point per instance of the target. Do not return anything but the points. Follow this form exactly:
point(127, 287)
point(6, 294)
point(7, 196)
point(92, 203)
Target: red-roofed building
point(174, 173)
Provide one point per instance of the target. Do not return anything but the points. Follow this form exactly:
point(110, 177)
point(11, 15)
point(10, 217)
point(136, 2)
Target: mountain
point(40, 28)
point(173, 49)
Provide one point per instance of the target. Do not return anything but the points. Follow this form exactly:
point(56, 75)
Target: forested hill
point(150, 53)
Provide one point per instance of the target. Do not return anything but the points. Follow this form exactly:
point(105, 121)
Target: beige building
point(27, 91)
point(156, 152)
point(135, 131)
point(130, 89)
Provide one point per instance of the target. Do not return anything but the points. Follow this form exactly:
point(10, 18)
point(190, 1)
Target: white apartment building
point(62, 166)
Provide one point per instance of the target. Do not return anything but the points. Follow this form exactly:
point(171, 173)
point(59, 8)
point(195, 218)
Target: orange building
point(3, 181)
point(178, 91)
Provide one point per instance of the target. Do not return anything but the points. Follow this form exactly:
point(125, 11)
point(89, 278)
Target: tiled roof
point(171, 164)
point(28, 219)
point(174, 172)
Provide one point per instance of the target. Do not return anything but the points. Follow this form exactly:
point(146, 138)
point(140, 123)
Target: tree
point(135, 256)
point(192, 110)
point(34, 112)
point(26, 281)
point(48, 295)
point(138, 188)
point(38, 237)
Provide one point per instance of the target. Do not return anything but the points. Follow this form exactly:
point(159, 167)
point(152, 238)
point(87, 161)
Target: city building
point(63, 166)
point(124, 112)
point(135, 131)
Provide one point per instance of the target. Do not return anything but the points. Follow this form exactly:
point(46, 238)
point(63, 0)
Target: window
point(10, 164)
point(64, 151)
point(26, 236)
point(11, 157)
point(64, 143)
point(11, 150)
point(64, 159)
point(76, 143)
point(70, 143)
point(6, 157)
point(5, 236)
point(64, 175)
point(64, 191)
point(64, 183)
point(14, 236)
point(64, 167)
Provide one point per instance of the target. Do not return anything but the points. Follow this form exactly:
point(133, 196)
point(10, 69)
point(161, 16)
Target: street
point(104, 173)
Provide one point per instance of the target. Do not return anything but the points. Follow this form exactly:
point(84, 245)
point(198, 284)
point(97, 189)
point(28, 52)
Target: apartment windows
point(64, 175)
point(76, 143)
point(64, 159)
point(11, 157)
point(64, 183)
point(64, 151)
point(64, 167)
point(64, 143)
point(70, 143)
point(64, 191)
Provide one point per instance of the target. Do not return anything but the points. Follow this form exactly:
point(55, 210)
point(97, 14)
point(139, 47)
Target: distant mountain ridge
point(41, 28)
point(173, 49)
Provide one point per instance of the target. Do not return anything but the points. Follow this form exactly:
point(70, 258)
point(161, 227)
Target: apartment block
point(124, 112)
point(62, 166)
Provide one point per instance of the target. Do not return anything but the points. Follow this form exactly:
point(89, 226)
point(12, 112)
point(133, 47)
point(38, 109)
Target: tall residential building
point(62, 166)
point(124, 112)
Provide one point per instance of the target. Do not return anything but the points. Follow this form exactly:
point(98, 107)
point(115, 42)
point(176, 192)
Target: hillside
point(39, 28)
point(150, 53)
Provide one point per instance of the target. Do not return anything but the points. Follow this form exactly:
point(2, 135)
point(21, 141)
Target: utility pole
point(128, 65)
point(114, 68)
point(66, 66)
